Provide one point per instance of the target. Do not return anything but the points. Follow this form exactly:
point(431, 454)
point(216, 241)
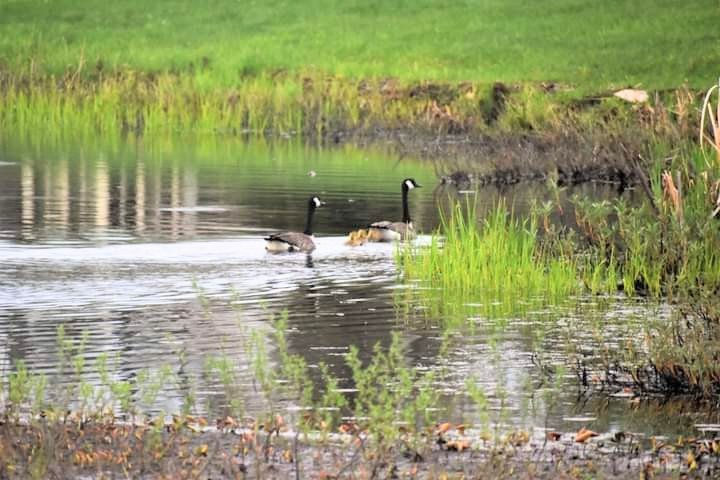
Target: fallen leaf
point(279, 421)
point(443, 427)
point(458, 445)
point(632, 95)
point(348, 427)
point(655, 444)
point(553, 436)
point(584, 434)
point(519, 438)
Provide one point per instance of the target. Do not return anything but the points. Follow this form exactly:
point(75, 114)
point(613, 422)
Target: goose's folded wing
point(279, 237)
point(383, 224)
point(296, 239)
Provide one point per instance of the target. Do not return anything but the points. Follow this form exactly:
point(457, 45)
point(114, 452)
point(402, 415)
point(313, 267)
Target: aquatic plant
point(387, 392)
point(667, 246)
point(675, 356)
point(395, 419)
point(498, 265)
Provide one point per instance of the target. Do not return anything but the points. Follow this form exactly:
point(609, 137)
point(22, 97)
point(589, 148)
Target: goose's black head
point(315, 202)
point(409, 184)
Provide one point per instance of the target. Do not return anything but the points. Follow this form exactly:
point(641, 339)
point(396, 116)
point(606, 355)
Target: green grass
point(662, 247)
point(594, 45)
point(498, 265)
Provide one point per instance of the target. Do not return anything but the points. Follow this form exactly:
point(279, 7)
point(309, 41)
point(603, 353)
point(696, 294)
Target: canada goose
point(388, 231)
point(295, 241)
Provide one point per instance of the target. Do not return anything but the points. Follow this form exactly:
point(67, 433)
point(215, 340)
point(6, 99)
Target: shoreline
point(482, 134)
point(190, 448)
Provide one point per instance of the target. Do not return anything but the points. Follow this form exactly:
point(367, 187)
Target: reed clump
point(668, 246)
point(498, 265)
point(673, 356)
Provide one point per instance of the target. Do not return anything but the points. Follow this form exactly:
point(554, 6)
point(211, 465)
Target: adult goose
point(295, 241)
point(388, 231)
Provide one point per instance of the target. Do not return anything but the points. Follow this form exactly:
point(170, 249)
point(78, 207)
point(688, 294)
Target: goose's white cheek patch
point(317, 201)
point(409, 184)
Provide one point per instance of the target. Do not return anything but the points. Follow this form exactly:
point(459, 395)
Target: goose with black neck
point(385, 231)
point(296, 241)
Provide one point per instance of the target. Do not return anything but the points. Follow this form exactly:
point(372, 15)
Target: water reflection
point(27, 195)
point(85, 196)
point(156, 252)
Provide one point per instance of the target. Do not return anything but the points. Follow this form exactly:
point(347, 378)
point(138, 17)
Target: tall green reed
point(668, 245)
point(499, 265)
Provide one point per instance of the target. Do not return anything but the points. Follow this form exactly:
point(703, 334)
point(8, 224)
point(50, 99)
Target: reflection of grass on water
point(500, 266)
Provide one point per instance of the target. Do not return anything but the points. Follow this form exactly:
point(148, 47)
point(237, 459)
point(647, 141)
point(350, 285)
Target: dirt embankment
point(512, 137)
point(506, 159)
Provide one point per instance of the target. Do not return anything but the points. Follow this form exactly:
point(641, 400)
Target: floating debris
point(632, 95)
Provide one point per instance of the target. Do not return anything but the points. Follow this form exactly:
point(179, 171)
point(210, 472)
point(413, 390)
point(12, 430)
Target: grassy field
point(592, 45)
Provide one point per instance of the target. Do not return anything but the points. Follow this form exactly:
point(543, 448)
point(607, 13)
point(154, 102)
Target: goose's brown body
point(295, 241)
point(385, 231)
point(390, 231)
point(289, 242)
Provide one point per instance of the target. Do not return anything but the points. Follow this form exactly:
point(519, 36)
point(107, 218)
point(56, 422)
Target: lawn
point(594, 45)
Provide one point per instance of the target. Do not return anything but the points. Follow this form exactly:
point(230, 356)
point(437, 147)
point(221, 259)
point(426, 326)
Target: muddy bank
point(466, 161)
point(226, 450)
point(530, 133)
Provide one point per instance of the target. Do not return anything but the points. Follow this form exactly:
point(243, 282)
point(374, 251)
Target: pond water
point(153, 253)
